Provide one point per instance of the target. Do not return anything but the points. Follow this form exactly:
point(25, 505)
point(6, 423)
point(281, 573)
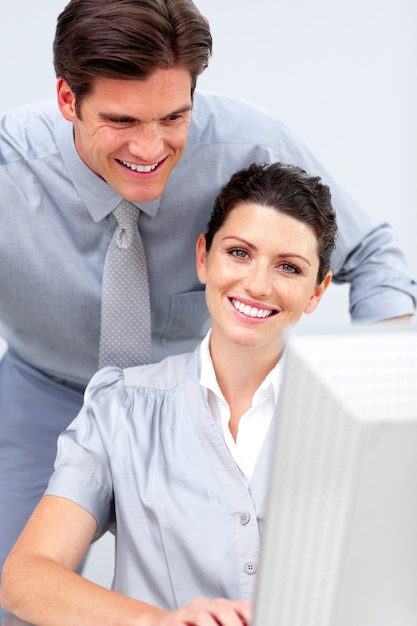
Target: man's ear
point(66, 100)
point(201, 259)
point(318, 294)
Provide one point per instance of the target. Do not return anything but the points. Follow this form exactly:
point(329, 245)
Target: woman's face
point(260, 275)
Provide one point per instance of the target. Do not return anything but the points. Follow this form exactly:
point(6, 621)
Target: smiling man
point(132, 133)
point(127, 124)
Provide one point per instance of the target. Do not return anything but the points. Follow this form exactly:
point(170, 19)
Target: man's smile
point(145, 169)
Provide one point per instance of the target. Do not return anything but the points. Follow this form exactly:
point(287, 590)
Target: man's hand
point(400, 318)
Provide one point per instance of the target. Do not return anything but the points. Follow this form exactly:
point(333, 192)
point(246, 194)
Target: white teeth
point(140, 168)
point(251, 311)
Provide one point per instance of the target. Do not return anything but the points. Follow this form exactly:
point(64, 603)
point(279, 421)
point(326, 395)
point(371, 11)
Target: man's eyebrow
point(125, 116)
point(184, 109)
point(114, 116)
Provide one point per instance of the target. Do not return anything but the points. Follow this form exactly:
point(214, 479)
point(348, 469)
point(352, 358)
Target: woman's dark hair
point(128, 39)
point(289, 190)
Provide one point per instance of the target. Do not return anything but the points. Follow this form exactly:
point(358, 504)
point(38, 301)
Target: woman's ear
point(318, 294)
point(66, 100)
point(201, 259)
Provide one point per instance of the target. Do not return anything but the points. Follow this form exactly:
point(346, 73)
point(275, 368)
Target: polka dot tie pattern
point(125, 335)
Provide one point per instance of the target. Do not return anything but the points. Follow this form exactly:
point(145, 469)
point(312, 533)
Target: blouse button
point(244, 518)
point(251, 567)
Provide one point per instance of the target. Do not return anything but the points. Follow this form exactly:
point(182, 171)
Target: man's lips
point(252, 311)
point(143, 169)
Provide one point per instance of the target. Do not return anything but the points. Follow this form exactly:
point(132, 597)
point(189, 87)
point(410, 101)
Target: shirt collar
point(99, 198)
point(208, 378)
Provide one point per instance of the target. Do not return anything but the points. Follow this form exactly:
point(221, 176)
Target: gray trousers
point(34, 409)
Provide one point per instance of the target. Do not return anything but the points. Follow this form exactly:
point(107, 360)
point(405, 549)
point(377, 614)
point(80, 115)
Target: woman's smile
point(253, 311)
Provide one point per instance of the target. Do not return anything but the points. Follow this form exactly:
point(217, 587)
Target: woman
point(173, 457)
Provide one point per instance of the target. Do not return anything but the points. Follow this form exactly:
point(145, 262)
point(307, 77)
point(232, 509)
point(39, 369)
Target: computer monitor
point(340, 541)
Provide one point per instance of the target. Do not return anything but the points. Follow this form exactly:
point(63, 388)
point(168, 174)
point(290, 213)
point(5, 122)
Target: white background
point(341, 75)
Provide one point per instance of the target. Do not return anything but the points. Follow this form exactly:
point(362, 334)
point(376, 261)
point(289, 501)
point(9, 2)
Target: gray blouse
point(145, 458)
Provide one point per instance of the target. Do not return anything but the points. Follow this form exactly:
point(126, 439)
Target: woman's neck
point(240, 371)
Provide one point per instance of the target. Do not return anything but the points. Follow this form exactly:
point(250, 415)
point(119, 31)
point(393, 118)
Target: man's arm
point(380, 285)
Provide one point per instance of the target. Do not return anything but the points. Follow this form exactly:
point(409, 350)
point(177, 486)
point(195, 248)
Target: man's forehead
point(164, 94)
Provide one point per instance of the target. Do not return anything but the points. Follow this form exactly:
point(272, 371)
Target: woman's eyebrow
point(281, 255)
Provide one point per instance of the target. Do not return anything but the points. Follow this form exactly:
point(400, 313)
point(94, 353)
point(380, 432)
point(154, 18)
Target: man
point(129, 125)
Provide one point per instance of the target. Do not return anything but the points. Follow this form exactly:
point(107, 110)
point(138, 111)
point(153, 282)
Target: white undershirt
point(253, 424)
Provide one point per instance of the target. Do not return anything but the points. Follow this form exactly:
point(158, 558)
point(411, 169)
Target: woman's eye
point(290, 268)
point(238, 253)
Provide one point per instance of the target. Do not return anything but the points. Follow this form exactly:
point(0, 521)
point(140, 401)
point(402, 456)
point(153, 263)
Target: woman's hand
point(204, 612)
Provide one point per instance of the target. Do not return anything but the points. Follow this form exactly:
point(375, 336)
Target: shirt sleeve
point(83, 470)
point(367, 255)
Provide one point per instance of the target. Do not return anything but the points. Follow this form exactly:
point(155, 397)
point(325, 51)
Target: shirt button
point(244, 518)
point(251, 567)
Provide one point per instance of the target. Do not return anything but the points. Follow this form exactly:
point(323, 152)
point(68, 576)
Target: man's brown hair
point(128, 39)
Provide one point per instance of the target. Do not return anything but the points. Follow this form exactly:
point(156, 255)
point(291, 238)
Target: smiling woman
point(265, 262)
point(261, 276)
point(174, 445)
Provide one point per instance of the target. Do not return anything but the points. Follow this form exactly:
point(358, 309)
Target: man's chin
point(145, 192)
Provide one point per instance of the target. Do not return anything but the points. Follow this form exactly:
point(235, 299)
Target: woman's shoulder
point(165, 374)
point(114, 395)
point(112, 392)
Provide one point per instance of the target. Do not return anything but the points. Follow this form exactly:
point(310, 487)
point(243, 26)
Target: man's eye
point(174, 118)
point(120, 121)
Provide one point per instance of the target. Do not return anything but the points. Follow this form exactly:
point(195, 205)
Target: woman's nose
point(258, 280)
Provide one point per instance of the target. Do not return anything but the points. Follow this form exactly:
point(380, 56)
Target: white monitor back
point(340, 543)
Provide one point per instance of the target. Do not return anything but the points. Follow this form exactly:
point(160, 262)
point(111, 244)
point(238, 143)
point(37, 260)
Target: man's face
point(132, 133)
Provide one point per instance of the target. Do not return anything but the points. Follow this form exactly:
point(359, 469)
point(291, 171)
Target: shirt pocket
point(188, 317)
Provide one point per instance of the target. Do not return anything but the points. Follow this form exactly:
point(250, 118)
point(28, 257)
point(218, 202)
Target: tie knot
point(126, 215)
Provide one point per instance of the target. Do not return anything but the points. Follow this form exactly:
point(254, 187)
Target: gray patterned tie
point(125, 335)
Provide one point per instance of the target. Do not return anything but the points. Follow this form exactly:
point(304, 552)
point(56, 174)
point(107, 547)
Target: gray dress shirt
point(146, 459)
point(56, 226)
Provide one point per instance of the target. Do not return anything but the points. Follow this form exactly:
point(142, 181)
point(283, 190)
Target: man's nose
point(146, 142)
